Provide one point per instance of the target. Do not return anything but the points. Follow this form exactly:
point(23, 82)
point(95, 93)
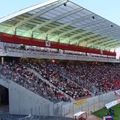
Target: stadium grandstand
point(57, 59)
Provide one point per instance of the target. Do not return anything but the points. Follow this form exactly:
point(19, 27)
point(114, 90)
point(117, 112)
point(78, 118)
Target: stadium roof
point(63, 21)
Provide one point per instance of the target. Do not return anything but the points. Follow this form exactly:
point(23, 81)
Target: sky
point(109, 9)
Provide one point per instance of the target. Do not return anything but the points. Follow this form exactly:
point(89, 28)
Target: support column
point(2, 60)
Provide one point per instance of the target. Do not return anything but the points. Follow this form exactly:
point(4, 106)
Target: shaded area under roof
point(63, 21)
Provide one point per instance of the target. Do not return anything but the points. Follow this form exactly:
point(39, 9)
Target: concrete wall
point(4, 83)
point(95, 103)
point(23, 101)
point(48, 55)
point(90, 104)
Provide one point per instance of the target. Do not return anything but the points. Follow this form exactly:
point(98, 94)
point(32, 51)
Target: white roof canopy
point(63, 21)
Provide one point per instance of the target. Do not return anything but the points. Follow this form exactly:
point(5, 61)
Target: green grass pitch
point(104, 111)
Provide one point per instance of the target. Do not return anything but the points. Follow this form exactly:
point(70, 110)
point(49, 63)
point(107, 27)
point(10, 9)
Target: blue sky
point(109, 9)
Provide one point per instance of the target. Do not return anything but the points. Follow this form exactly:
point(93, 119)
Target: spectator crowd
point(19, 73)
point(68, 78)
point(79, 79)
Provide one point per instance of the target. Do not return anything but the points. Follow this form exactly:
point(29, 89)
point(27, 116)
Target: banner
point(112, 104)
point(77, 103)
point(47, 43)
point(108, 118)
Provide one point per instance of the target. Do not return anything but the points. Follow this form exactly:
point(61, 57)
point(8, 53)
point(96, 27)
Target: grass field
point(104, 111)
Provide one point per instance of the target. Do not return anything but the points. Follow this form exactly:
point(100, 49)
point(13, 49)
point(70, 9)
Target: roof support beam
point(97, 23)
point(58, 18)
point(81, 19)
point(70, 23)
point(79, 35)
point(90, 45)
point(99, 42)
point(93, 26)
point(88, 37)
point(113, 45)
point(106, 31)
point(69, 31)
point(49, 6)
point(45, 4)
point(92, 39)
point(109, 42)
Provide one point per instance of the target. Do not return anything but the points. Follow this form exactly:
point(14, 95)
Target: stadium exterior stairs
point(47, 82)
point(76, 83)
point(22, 101)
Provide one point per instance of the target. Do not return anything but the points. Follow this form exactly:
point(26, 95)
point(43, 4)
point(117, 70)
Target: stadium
point(58, 62)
